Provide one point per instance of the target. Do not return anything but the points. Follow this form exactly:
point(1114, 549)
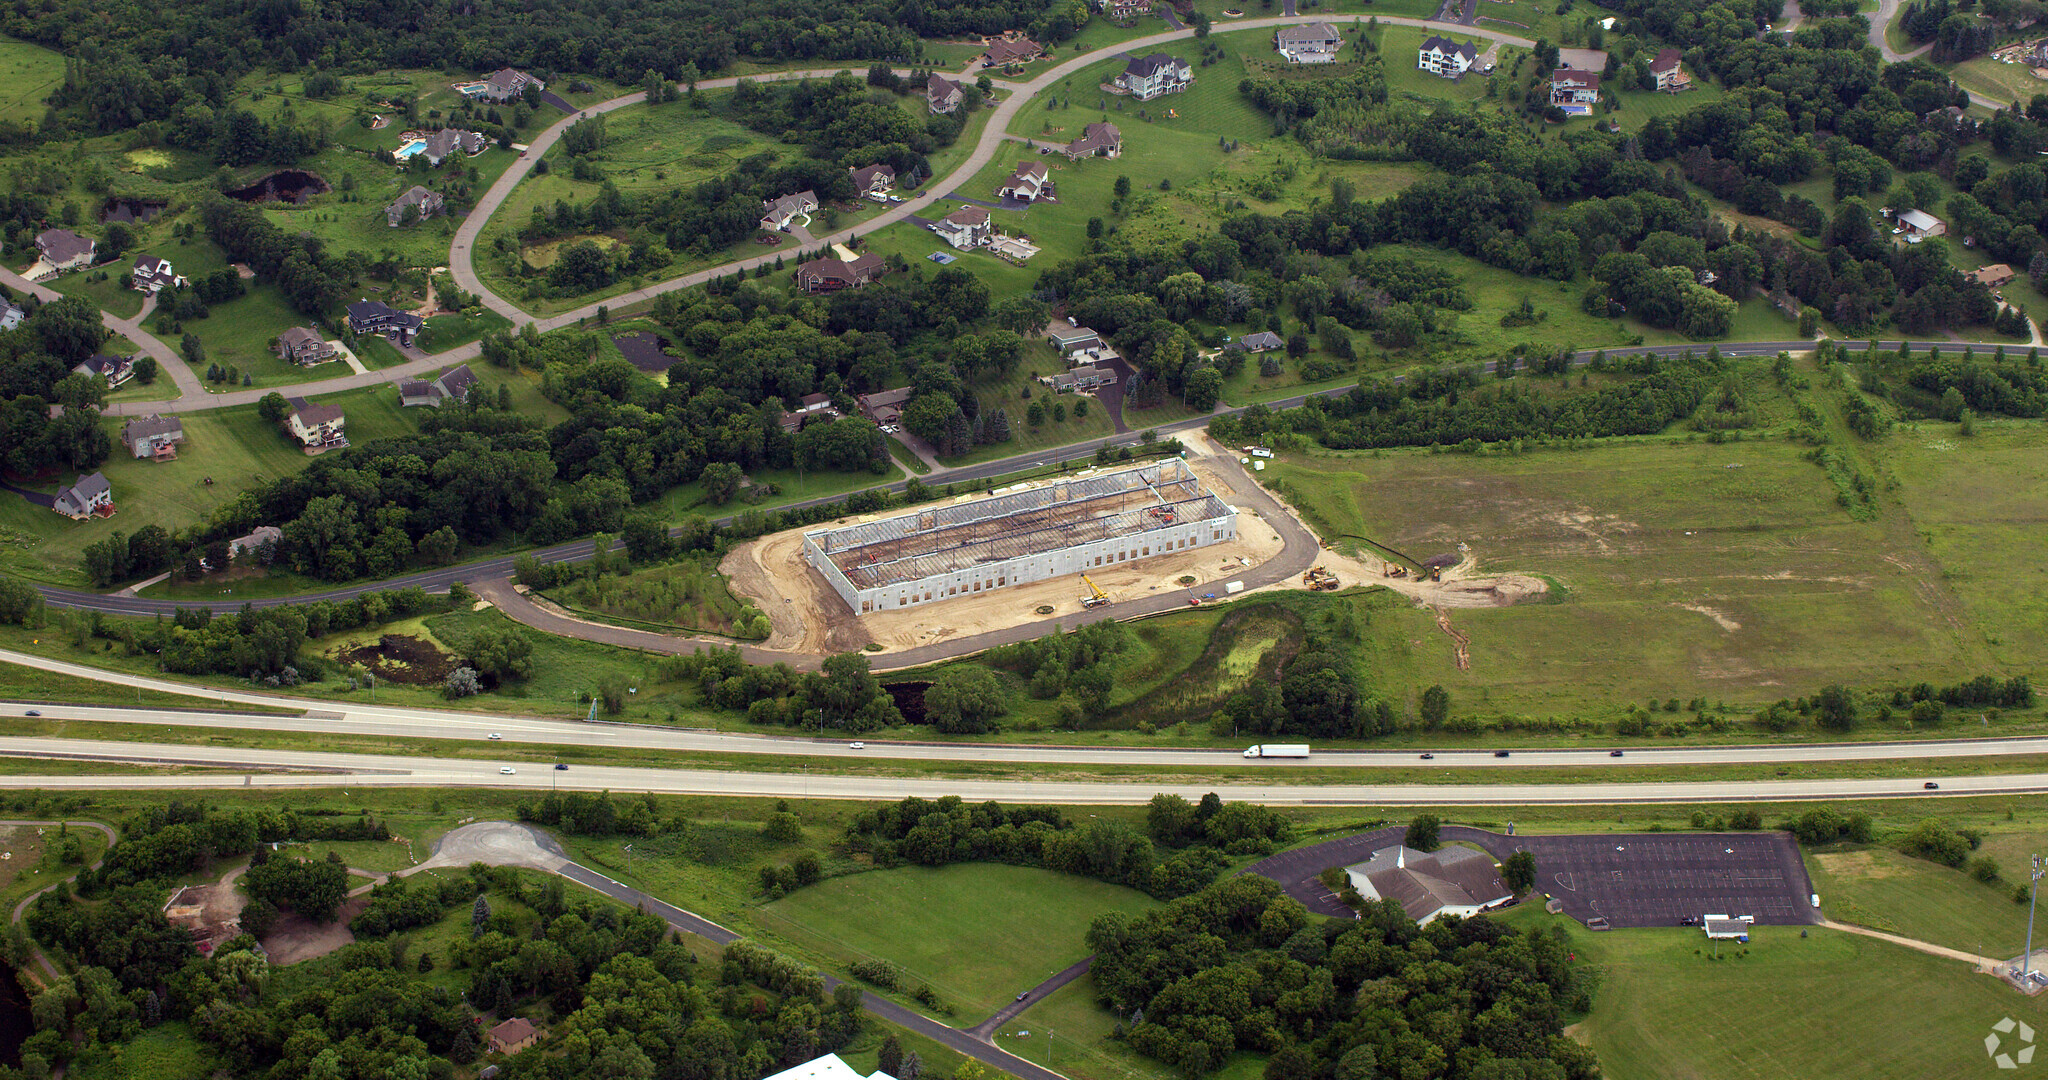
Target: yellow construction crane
point(1096, 597)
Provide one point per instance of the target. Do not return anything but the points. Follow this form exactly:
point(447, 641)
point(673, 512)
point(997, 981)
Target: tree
point(70, 329)
point(438, 548)
point(1204, 387)
point(273, 408)
point(965, 701)
point(1835, 708)
point(479, 914)
point(1436, 707)
point(782, 827)
point(1123, 187)
point(1518, 872)
point(1422, 833)
point(721, 482)
point(890, 1056)
point(192, 349)
point(145, 370)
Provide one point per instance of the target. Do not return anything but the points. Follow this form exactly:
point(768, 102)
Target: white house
point(62, 249)
point(776, 214)
point(115, 369)
point(1920, 224)
point(1669, 71)
point(11, 314)
point(1574, 87)
point(1030, 183)
point(90, 495)
point(503, 85)
point(1447, 58)
point(1148, 77)
point(828, 1067)
point(965, 228)
point(1449, 881)
point(153, 274)
point(253, 543)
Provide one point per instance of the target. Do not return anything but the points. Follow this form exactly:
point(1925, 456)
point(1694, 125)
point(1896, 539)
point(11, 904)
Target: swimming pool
point(409, 149)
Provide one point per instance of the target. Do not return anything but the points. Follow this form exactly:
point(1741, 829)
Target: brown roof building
point(1099, 138)
point(831, 275)
point(1450, 881)
point(513, 1035)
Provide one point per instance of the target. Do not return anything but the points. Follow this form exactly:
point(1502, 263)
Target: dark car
point(1500, 753)
point(560, 767)
point(1931, 786)
point(33, 712)
point(1429, 757)
point(1689, 920)
point(1614, 753)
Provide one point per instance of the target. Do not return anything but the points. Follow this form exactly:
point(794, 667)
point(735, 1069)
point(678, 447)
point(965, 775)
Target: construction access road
point(250, 768)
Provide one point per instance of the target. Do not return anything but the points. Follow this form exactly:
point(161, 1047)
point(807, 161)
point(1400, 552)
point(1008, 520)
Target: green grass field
point(1829, 1004)
point(1071, 1031)
point(28, 74)
point(1885, 890)
point(976, 959)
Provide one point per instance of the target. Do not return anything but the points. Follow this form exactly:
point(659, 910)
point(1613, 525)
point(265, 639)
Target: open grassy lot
point(169, 1049)
point(1398, 46)
point(1828, 1004)
point(28, 74)
point(1071, 1031)
point(1678, 569)
point(1998, 81)
point(1885, 890)
point(364, 854)
point(1008, 393)
point(975, 959)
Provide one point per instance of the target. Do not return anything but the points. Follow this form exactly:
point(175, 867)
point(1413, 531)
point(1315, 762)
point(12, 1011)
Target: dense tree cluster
point(1239, 966)
point(314, 888)
point(35, 374)
point(313, 281)
point(844, 695)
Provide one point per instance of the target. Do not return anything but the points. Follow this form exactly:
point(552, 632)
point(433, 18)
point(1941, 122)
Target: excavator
point(1096, 597)
point(1320, 580)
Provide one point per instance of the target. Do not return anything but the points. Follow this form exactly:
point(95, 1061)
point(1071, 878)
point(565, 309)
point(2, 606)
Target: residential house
point(451, 385)
point(153, 437)
point(89, 496)
point(1579, 88)
point(1919, 224)
point(873, 180)
point(1444, 57)
point(254, 543)
point(885, 407)
point(1309, 43)
point(831, 275)
point(828, 1067)
point(504, 85)
point(448, 142)
point(1952, 120)
point(425, 203)
point(62, 249)
point(1011, 48)
point(942, 95)
point(1260, 342)
point(11, 314)
point(1101, 139)
point(1994, 276)
point(417, 392)
point(378, 317)
point(153, 274)
point(1030, 182)
point(776, 214)
point(1067, 338)
point(304, 345)
point(1148, 77)
point(1081, 378)
point(513, 1035)
point(1670, 72)
point(115, 369)
point(1450, 881)
point(317, 427)
point(965, 228)
point(1593, 60)
point(811, 403)
point(1123, 11)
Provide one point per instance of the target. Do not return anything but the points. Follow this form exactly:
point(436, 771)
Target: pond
point(130, 210)
point(648, 352)
point(288, 185)
point(909, 699)
point(15, 1023)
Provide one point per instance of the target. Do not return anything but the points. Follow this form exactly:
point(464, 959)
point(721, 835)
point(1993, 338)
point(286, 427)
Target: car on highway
point(33, 712)
point(1931, 786)
point(495, 735)
point(1614, 753)
point(1429, 757)
point(561, 767)
point(1500, 753)
point(856, 746)
point(507, 770)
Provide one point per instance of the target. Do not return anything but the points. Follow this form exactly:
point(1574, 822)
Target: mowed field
point(979, 933)
point(28, 73)
point(1831, 1004)
point(1886, 890)
point(1678, 569)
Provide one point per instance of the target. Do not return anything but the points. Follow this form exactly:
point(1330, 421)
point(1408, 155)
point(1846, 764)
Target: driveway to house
point(167, 360)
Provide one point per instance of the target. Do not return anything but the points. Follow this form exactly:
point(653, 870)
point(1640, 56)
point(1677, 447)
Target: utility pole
point(2033, 895)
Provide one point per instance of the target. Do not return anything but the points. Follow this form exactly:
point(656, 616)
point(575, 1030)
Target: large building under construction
point(1068, 526)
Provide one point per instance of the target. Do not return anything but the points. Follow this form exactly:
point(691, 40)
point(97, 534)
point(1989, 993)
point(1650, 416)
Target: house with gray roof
point(154, 438)
point(1309, 43)
point(1450, 881)
point(88, 497)
point(1446, 58)
point(424, 202)
point(305, 345)
point(1097, 140)
point(776, 214)
point(11, 314)
point(1148, 77)
point(873, 180)
point(448, 142)
point(62, 249)
point(504, 85)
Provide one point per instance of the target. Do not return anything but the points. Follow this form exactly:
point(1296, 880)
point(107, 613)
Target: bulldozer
point(1096, 597)
point(1320, 580)
point(1393, 570)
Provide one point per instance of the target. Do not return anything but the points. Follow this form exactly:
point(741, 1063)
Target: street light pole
point(2033, 895)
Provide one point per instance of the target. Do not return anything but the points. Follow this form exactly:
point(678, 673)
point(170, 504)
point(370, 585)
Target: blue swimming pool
point(409, 149)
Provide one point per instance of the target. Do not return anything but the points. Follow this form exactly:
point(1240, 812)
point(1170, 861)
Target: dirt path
point(1984, 964)
point(42, 961)
point(1461, 644)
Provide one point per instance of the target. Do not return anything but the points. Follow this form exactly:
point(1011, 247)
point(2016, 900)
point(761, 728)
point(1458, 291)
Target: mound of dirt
point(401, 658)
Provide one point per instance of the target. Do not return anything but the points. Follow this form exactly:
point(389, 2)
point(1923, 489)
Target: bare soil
point(807, 616)
point(401, 658)
point(295, 938)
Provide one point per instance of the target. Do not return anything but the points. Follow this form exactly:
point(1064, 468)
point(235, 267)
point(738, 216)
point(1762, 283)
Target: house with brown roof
point(1011, 48)
point(304, 345)
point(1670, 72)
point(1569, 87)
point(155, 438)
point(1993, 276)
point(885, 407)
point(1449, 881)
point(316, 427)
point(513, 1035)
point(965, 228)
point(873, 180)
point(831, 275)
point(504, 85)
point(63, 249)
point(1097, 140)
point(1031, 182)
point(942, 95)
point(425, 203)
point(776, 214)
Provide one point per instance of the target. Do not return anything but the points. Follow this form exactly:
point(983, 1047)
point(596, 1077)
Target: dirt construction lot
point(809, 617)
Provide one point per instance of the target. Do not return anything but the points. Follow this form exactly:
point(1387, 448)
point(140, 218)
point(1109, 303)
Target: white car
point(495, 735)
point(506, 770)
point(857, 746)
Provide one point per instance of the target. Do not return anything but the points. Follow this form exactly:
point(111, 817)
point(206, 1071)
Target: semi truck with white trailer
point(1278, 750)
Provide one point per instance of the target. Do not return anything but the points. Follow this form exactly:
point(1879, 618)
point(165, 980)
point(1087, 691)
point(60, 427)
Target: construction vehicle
point(1164, 514)
point(1320, 580)
point(1393, 570)
point(1096, 597)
